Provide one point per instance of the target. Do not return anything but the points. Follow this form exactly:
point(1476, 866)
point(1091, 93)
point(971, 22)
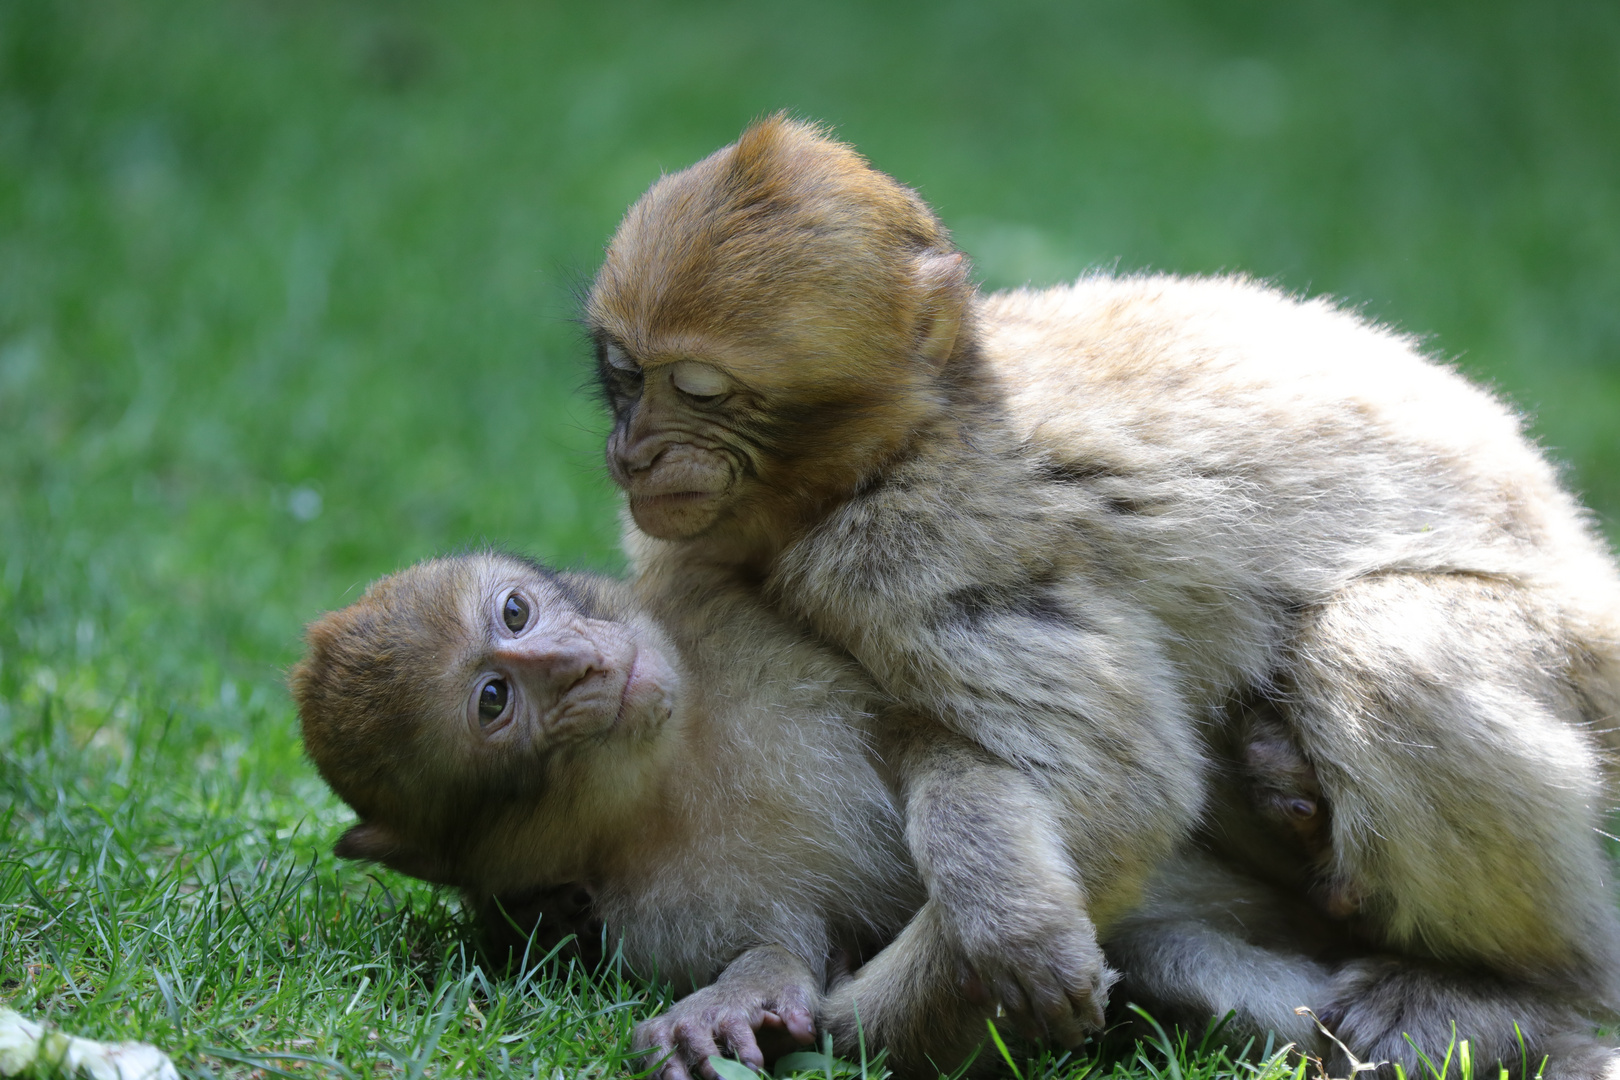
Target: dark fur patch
point(1087, 474)
point(1073, 472)
point(975, 605)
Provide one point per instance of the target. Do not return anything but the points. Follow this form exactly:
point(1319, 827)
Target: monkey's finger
point(774, 1037)
point(1065, 1009)
point(1048, 1014)
point(670, 1066)
point(696, 1045)
point(674, 1069)
point(1088, 1006)
point(738, 1035)
point(1008, 992)
point(1074, 1012)
point(796, 1012)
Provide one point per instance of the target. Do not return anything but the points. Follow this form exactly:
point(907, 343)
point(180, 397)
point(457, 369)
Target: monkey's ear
point(368, 841)
point(942, 281)
point(378, 843)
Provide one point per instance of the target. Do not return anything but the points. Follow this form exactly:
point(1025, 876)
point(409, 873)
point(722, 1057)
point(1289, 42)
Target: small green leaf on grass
point(804, 1061)
point(730, 1069)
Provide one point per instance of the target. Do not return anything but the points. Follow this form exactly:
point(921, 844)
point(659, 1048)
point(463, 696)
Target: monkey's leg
point(1209, 940)
point(1447, 736)
point(766, 987)
point(1063, 689)
point(1387, 1009)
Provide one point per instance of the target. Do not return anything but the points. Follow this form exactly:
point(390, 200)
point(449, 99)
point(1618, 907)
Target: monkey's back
point(1221, 437)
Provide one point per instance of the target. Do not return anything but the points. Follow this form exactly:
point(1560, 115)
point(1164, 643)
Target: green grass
point(286, 292)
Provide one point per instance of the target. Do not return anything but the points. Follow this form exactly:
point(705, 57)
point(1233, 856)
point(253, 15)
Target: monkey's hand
point(1037, 962)
point(762, 1005)
point(1011, 905)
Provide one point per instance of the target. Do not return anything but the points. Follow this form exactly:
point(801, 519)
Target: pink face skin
point(550, 674)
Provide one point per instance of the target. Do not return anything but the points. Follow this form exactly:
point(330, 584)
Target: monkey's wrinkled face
point(675, 447)
point(539, 672)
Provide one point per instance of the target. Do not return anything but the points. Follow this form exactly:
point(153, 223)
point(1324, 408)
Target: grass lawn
point(286, 297)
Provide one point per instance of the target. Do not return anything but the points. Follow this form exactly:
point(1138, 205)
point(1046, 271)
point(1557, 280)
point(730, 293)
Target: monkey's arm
point(974, 598)
point(1011, 909)
point(1059, 724)
point(765, 992)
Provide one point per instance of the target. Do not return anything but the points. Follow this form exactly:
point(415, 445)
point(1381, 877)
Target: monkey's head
point(771, 325)
point(467, 691)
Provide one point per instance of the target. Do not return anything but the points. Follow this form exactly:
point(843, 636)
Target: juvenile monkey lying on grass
point(708, 784)
point(1066, 530)
point(700, 772)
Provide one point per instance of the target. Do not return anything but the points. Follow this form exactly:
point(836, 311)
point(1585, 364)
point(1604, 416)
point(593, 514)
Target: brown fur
point(726, 823)
point(748, 837)
point(1070, 527)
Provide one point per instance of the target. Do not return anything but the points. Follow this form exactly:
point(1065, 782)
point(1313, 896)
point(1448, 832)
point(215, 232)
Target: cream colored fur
point(1165, 494)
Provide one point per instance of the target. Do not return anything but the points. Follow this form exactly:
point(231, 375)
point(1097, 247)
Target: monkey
point(1062, 530)
point(698, 779)
point(1283, 783)
point(1281, 787)
point(517, 733)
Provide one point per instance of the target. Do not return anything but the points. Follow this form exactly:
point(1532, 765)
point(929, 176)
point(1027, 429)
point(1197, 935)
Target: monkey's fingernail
point(800, 1025)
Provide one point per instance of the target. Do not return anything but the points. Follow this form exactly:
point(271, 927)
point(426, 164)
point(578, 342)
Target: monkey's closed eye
point(515, 613)
point(492, 699)
point(698, 380)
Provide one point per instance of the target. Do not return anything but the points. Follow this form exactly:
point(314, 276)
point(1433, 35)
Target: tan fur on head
point(361, 689)
point(759, 239)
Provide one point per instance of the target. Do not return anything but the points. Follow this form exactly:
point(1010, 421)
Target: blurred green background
point(287, 286)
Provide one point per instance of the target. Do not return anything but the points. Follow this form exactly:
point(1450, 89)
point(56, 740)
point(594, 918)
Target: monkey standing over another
point(700, 782)
point(1063, 529)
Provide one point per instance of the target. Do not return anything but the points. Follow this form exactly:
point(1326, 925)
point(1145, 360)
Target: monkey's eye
point(698, 380)
point(617, 359)
point(515, 613)
point(620, 374)
point(492, 699)
point(1300, 808)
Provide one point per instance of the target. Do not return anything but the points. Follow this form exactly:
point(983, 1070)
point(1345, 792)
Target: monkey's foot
point(1387, 1010)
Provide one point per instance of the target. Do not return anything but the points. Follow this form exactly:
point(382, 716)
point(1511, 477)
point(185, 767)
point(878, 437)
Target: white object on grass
point(25, 1043)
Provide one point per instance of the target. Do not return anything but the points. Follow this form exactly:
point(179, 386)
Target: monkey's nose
point(553, 665)
point(643, 455)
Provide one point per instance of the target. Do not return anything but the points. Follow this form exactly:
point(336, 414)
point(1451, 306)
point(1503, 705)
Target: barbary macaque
point(702, 784)
point(698, 779)
point(1064, 530)
point(1282, 789)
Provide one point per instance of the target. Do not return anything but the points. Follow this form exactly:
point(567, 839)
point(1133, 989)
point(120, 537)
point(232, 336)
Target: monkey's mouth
point(676, 515)
point(672, 500)
point(646, 700)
